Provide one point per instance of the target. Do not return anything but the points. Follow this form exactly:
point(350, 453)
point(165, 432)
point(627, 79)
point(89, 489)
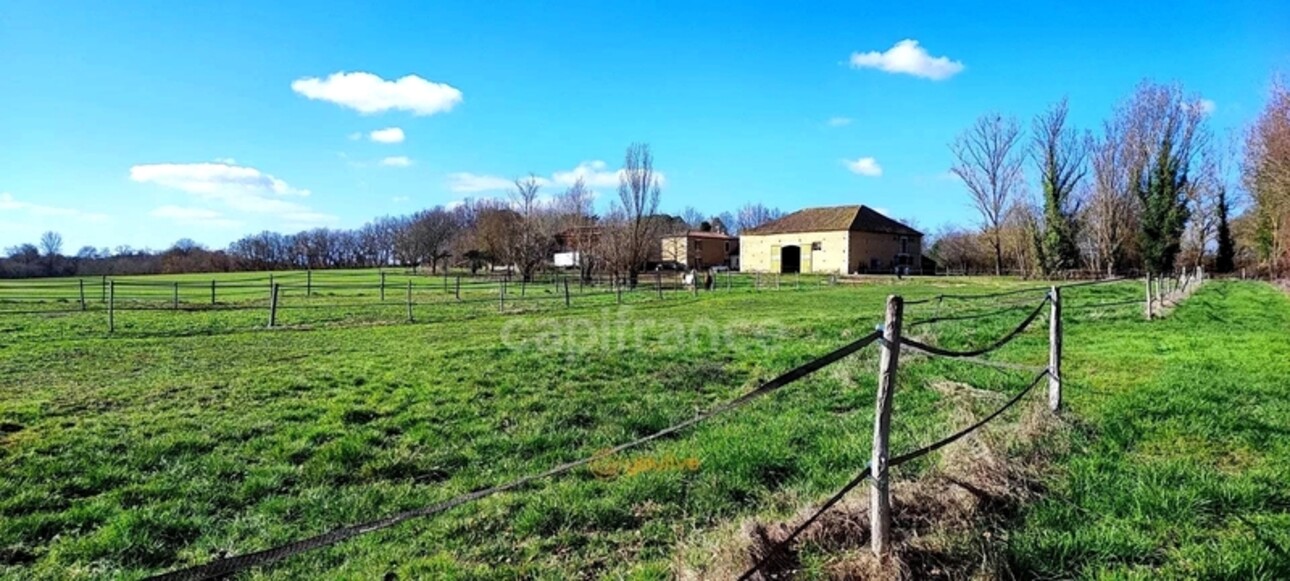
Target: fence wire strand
point(930, 350)
point(231, 565)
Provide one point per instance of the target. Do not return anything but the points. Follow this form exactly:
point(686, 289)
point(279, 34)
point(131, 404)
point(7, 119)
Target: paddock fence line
point(384, 294)
point(891, 341)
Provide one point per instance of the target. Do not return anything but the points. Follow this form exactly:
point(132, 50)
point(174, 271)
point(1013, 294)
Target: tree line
point(519, 233)
point(1153, 190)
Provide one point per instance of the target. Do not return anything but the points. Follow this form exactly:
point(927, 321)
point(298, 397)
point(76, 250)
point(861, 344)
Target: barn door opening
point(790, 259)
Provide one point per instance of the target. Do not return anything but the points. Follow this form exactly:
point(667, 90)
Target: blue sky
point(140, 123)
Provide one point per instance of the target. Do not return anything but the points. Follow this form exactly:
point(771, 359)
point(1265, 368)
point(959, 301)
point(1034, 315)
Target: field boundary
point(891, 341)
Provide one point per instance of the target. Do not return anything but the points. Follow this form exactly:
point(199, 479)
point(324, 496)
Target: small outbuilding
point(700, 249)
point(839, 239)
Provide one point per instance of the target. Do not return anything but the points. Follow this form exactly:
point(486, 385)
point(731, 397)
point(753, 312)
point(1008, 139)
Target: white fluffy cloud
point(9, 204)
point(907, 57)
point(865, 166)
point(839, 121)
point(387, 135)
point(1207, 106)
point(396, 161)
point(469, 183)
point(237, 188)
point(368, 93)
point(595, 175)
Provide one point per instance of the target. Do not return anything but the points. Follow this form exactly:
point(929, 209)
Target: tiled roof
point(832, 219)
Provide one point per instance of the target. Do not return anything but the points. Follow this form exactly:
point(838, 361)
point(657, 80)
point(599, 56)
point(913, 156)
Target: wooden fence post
point(382, 286)
point(212, 292)
point(410, 320)
point(797, 281)
point(458, 288)
point(567, 301)
point(618, 287)
point(176, 298)
point(1055, 350)
point(309, 283)
point(523, 283)
point(889, 361)
point(501, 295)
point(82, 281)
point(658, 282)
point(111, 301)
point(273, 306)
point(1148, 313)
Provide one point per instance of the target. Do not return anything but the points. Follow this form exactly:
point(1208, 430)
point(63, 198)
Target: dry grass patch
point(948, 523)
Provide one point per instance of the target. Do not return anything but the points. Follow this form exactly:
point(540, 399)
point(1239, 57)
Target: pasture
point(193, 433)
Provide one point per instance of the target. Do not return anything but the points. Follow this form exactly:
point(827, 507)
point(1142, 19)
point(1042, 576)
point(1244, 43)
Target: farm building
point(700, 249)
point(840, 239)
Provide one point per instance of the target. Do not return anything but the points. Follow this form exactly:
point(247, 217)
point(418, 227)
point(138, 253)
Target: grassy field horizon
point(125, 456)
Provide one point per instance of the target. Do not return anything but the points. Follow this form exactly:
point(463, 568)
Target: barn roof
point(858, 218)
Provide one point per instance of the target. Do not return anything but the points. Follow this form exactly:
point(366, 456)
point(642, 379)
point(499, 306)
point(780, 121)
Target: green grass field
point(192, 434)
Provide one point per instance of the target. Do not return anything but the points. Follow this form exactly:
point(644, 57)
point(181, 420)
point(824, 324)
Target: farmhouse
point(700, 249)
point(840, 239)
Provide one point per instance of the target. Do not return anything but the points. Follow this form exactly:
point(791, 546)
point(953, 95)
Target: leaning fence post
point(1055, 350)
point(567, 302)
point(273, 306)
point(458, 289)
point(410, 300)
point(880, 500)
point(1148, 295)
point(111, 301)
point(82, 281)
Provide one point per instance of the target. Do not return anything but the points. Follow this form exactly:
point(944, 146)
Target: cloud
point(907, 57)
point(595, 174)
point(396, 161)
point(838, 121)
point(237, 188)
point(865, 166)
point(387, 135)
point(8, 203)
point(368, 93)
point(468, 183)
point(399, 199)
point(194, 216)
point(1206, 106)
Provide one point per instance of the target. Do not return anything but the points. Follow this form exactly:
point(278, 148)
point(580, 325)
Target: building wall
point(755, 252)
point(698, 252)
point(867, 247)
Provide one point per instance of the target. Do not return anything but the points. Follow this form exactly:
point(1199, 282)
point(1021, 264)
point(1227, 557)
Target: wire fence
point(338, 297)
point(891, 341)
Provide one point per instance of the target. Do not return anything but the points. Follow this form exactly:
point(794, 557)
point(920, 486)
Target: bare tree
point(1110, 215)
point(51, 243)
point(1059, 155)
point(987, 162)
point(637, 228)
point(692, 217)
point(1265, 172)
point(752, 215)
point(532, 243)
point(577, 225)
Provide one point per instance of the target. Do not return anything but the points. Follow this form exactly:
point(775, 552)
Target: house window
point(904, 245)
point(727, 246)
point(815, 246)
